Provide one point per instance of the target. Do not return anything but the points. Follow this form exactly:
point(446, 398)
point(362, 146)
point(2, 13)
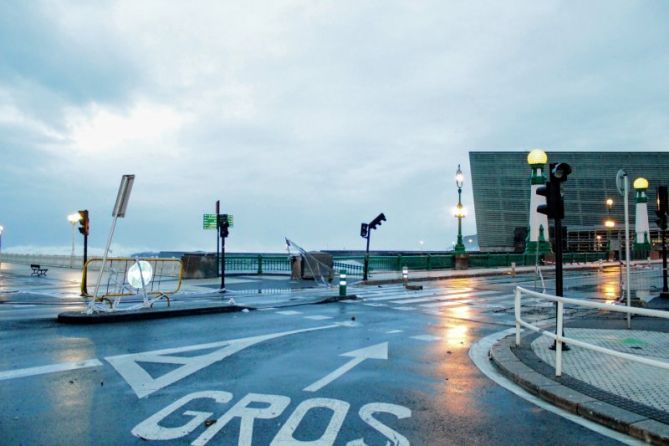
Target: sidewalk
point(627, 396)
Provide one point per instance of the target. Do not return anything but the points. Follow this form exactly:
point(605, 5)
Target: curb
point(621, 420)
point(78, 318)
point(504, 271)
point(73, 317)
point(334, 299)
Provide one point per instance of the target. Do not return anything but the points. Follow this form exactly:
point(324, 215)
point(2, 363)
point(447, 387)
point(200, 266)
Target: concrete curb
point(630, 423)
point(73, 317)
point(334, 299)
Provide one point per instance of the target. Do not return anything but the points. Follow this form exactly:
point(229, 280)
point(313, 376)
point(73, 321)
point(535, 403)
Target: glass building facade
point(501, 187)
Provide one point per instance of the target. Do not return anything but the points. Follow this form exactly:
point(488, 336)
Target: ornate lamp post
point(459, 211)
point(537, 239)
point(641, 228)
point(609, 223)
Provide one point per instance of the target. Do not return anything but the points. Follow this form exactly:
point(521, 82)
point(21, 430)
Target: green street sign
point(209, 221)
point(231, 220)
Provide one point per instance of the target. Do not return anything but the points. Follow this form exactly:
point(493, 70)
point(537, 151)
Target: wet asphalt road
point(374, 372)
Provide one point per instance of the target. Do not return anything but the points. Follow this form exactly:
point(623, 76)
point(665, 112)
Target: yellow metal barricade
point(165, 281)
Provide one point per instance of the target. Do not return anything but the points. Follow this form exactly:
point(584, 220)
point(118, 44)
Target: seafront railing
point(353, 264)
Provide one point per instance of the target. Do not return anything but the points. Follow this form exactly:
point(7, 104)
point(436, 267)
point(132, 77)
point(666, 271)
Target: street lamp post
point(73, 219)
point(2, 229)
point(459, 211)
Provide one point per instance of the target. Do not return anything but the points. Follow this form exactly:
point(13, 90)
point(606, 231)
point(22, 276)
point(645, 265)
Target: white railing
point(559, 337)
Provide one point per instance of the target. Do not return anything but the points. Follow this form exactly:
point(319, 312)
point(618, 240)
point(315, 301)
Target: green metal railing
point(280, 264)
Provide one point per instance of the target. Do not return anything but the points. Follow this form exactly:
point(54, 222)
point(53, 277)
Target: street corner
point(627, 404)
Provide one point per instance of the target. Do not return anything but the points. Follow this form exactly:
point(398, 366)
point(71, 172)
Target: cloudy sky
point(305, 118)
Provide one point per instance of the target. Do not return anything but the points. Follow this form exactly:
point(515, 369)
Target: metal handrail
point(560, 338)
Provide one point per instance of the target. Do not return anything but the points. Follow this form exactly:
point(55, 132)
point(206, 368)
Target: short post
point(513, 269)
point(342, 283)
point(405, 275)
point(558, 339)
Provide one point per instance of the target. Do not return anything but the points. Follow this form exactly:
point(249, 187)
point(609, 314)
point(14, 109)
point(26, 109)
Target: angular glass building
point(501, 187)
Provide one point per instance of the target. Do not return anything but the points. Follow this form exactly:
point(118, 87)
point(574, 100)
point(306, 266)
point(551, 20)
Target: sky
point(305, 118)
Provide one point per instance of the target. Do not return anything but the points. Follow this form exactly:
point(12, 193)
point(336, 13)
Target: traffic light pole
point(665, 289)
point(558, 276)
point(222, 290)
point(218, 248)
point(366, 265)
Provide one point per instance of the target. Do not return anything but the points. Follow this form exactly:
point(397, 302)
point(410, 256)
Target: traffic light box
point(224, 224)
point(377, 221)
point(552, 190)
point(84, 223)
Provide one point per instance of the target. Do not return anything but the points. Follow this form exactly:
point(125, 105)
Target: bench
point(38, 270)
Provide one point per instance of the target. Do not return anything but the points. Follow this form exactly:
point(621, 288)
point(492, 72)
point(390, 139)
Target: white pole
point(72, 253)
point(627, 253)
point(558, 339)
point(102, 267)
point(517, 314)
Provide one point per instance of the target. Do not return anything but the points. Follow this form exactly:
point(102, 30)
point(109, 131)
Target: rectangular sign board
point(209, 221)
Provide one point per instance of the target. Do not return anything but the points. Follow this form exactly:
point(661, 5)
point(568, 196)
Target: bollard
point(513, 269)
point(405, 275)
point(342, 283)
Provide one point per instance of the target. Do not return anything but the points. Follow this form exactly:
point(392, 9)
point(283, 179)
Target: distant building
point(502, 195)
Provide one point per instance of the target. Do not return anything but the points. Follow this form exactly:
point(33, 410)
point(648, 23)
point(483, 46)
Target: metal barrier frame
point(113, 299)
point(560, 339)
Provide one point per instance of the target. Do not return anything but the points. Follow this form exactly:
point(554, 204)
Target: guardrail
point(277, 263)
point(560, 338)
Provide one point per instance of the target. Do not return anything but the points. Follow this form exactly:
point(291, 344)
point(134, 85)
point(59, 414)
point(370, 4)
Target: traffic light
point(223, 225)
point(84, 223)
point(554, 207)
point(364, 230)
point(662, 207)
point(558, 175)
point(377, 221)
point(545, 191)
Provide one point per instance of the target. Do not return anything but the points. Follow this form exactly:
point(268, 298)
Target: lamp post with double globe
point(459, 211)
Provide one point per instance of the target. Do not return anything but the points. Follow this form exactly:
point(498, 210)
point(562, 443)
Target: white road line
point(318, 317)
point(394, 331)
point(431, 292)
point(53, 368)
point(479, 356)
point(289, 313)
point(426, 338)
point(404, 308)
point(442, 297)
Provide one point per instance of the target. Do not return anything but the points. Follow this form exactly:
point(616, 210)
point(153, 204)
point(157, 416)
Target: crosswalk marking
point(449, 296)
point(456, 303)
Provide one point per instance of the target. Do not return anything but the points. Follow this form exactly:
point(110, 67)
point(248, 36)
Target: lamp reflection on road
point(611, 291)
point(457, 336)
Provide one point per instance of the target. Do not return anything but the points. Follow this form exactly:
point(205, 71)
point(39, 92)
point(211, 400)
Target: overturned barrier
point(152, 278)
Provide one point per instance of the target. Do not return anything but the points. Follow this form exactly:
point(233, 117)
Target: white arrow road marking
point(144, 384)
point(53, 368)
point(378, 351)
